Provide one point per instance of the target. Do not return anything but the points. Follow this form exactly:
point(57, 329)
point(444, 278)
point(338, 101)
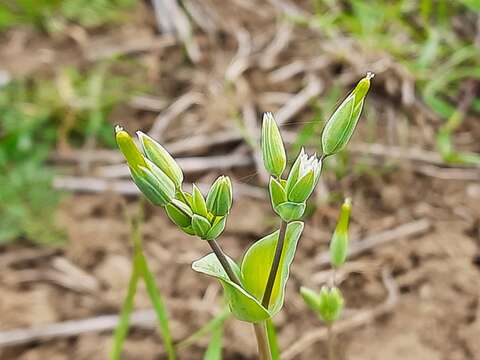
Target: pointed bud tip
point(370, 75)
point(118, 128)
point(348, 202)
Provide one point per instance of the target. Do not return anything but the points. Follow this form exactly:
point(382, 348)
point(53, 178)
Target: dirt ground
point(433, 312)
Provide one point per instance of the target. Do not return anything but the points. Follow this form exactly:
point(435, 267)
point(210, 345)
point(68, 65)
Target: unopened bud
point(342, 123)
point(303, 177)
point(330, 304)
point(161, 157)
point(274, 157)
point(339, 242)
point(219, 198)
point(128, 148)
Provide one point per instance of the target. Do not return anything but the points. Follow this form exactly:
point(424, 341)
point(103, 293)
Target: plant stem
point(127, 307)
point(275, 264)
point(262, 341)
point(330, 342)
point(224, 261)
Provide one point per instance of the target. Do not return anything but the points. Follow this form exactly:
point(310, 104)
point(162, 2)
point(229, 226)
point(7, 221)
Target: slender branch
point(224, 261)
point(275, 264)
point(262, 341)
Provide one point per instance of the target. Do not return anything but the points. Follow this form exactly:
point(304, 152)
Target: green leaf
point(244, 306)
point(272, 340)
point(258, 259)
point(214, 350)
point(153, 293)
point(121, 330)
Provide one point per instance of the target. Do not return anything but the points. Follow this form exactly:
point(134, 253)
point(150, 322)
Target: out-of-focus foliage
point(426, 37)
point(50, 13)
point(35, 117)
point(27, 202)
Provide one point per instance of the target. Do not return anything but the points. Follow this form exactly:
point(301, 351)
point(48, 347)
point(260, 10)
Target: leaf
point(123, 324)
point(214, 350)
point(272, 340)
point(158, 305)
point(243, 305)
point(258, 259)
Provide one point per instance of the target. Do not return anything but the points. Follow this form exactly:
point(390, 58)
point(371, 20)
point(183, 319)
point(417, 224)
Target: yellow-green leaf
point(257, 262)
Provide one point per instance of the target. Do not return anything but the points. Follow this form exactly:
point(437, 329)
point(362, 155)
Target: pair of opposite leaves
point(245, 303)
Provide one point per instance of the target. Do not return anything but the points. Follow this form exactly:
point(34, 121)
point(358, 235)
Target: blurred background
point(196, 75)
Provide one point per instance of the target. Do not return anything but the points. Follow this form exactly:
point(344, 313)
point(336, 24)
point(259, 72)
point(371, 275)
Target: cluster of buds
point(328, 303)
point(160, 178)
point(288, 195)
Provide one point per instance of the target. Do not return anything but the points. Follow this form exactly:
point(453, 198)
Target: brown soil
point(437, 315)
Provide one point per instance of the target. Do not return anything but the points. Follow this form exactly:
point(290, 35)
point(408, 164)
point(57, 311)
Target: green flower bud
point(311, 298)
point(277, 192)
point(290, 211)
point(303, 177)
point(198, 202)
point(128, 148)
point(339, 243)
point(179, 213)
point(160, 157)
point(274, 157)
point(151, 181)
point(340, 126)
point(154, 184)
point(217, 228)
point(200, 226)
point(330, 304)
point(219, 198)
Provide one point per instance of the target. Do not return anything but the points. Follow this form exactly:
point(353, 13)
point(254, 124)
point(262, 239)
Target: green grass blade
point(158, 305)
point(272, 340)
point(209, 327)
point(127, 308)
point(214, 350)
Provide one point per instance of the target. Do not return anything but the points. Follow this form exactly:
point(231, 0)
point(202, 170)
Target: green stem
point(127, 308)
point(262, 341)
point(224, 261)
point(275, 265)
